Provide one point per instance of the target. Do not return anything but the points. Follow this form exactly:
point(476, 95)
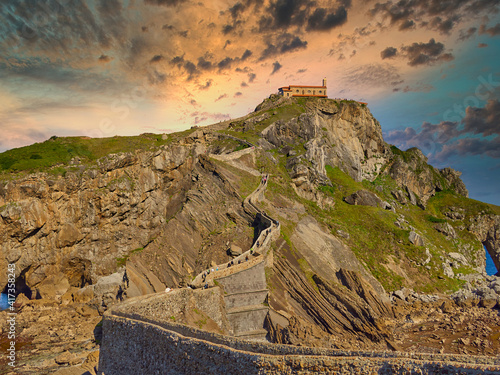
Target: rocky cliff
point(64, 234)
point(359, 220)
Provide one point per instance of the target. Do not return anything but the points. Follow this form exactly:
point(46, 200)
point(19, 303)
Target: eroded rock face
point(345, 311)
point(487, 230)
point(72, 231)
point(412, 172)
point(367, 198)
point(343, 135)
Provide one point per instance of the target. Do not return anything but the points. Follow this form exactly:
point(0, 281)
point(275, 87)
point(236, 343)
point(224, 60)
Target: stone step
point(240, 299)
point(242, 309)
point(257, 334)
point(253, 291)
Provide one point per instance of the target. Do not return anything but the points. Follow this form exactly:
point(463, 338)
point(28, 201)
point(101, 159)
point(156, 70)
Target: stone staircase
point(245, 297)
point(244, 283)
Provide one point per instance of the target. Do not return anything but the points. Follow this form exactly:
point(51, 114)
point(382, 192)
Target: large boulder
point(367, 198)
point(234, 250)
point(416, 239)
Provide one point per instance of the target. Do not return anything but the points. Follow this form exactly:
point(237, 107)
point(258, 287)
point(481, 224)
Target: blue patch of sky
point(490, 266)
point(450, 93)
point(3, 301)
point(454, 84)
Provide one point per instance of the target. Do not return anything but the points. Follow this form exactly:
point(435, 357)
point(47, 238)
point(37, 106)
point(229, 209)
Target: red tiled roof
point(320, 96)
point(316, 87)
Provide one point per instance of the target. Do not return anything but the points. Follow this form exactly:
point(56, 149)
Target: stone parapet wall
point(245, 299)
point(248, 320)
point(249, 280)
point(132, 346)
point(162, 306)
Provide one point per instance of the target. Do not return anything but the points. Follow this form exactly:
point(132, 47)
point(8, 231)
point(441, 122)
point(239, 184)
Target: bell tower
point(324, 82)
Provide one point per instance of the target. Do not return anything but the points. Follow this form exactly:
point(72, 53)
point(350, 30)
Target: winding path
point(252, 256)
point(233, 156)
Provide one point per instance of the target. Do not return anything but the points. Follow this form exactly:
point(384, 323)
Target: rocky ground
point(466, 323)
point(52, 338)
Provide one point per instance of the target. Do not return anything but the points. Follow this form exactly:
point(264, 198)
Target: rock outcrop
point(487, 230)
point(367, 198)
point(341, 135)
point(349, 308)
point(410, 170)
point(74, 230)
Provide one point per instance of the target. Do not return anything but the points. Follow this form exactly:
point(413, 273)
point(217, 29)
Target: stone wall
point(251, 279)
point(163, 306)
point(132, 346)
point(248, 319)
point(245, 299)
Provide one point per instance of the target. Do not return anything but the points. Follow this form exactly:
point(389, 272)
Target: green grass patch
point(434, 219)
point(122, 261)
point(327, 189)
point(57, 151)
point(284, 113)
point(306, 269)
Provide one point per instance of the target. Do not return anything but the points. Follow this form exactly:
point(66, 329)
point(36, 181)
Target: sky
point(429, 69)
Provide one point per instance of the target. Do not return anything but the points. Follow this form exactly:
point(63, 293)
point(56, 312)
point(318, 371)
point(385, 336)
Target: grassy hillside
point(58, 151)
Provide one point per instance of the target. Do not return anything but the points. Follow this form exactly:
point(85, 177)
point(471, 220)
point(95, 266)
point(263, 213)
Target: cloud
point(246, 55)
point(236, 10)
point(226, 29)
point(207, 85)
point(45, 72)
point(251, 77)
point(156, 58)
point(492, 31)
point(188, 66)
point(388, 53)
point(168, 3)
point(429, 135)
point(225, 63)
point(483, 121)
point(471, 146)
point(155, 77)
point(223, 96)
point(425, 53)
point(477, 134)
point(323, 20)
point(58, 30)
point(438, 15)
point(406, 25)
point(304, 15)
point(420, 87)
point(467, 34)
point(276, 66)
point(244, 84)
point(281, 44)
point(104, 59)
point(237, 94)
point(482, 45)
point(371, 75)
point(203, 117)
point(204, 64)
